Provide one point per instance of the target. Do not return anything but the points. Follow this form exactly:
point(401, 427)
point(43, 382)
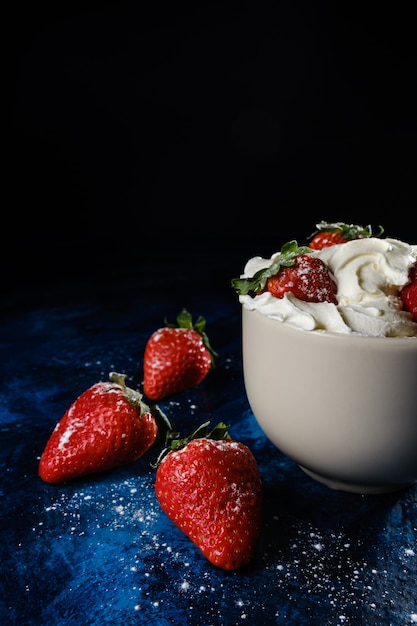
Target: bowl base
point(354, 487)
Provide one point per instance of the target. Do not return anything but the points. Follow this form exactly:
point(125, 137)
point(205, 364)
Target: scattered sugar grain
point(324, 563)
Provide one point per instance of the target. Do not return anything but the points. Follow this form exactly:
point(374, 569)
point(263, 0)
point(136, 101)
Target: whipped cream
point(369, 274)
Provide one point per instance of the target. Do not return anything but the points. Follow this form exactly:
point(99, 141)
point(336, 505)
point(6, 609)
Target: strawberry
point(295, 271)
point(328, 234)
point(409, 294)
point(309, 280)
point(177, 356)
point(108, 425)
point(209, 485)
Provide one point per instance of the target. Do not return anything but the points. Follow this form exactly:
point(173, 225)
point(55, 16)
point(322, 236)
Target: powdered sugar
point(156, 563)
point(65, 437)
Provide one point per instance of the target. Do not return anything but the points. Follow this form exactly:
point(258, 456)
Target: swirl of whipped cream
point(369, 274)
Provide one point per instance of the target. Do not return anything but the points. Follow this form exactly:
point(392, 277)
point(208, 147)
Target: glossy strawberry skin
point(99, 431)
point(212, 491)
point(175, 359)
point(309, 279)
point(409, 294)
point(325, 239)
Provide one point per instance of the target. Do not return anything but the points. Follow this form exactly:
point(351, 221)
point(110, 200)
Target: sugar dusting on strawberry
point(309, 279)
point(108, 425)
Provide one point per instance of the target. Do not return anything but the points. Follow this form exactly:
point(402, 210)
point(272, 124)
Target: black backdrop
point(151, 128)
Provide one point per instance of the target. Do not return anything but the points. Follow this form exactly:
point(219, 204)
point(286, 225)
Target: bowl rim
point(409, 341)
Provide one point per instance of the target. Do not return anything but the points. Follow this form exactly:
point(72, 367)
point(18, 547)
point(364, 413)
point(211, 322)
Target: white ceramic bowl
point(344, 407)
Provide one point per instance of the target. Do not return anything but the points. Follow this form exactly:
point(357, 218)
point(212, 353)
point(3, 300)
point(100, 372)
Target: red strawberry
point(210, 487)
point(325, 239)
point(177, 357)
point(328, 234)
point(309, 279)
point(295, 270)
point(108, 425)
point(409, 294)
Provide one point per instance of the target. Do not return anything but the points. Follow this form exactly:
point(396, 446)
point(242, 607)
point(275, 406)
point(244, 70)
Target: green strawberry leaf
point(348, 231)
point(185, 320)
point(219, 432)
point(256, 284)
point(165, 431)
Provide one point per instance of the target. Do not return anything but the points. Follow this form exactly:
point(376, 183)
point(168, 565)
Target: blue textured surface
point(100, 550)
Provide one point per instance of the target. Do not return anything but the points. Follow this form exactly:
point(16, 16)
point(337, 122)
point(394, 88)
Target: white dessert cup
point(342, 406)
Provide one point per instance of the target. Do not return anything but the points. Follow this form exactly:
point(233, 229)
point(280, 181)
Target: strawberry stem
point(133, 397)
point(219, 432)
point(164, 432)
point(185, 320)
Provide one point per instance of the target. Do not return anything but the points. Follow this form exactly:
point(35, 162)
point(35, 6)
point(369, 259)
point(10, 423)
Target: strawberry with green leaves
point(329, 234)
point(177, 357)
point(107, 425)
point(209, 485)
point(295, 270)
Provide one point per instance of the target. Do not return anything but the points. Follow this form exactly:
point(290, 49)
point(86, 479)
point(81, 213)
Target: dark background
point(142, 130)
